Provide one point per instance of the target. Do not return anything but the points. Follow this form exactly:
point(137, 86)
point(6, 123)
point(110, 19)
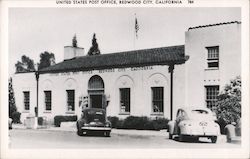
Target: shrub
point(134, 122)
point(62, 118)
point(139, 123)
point(162, 122)
point(114, 121)
point(16, 117)
point(228, 106)
point(222, 124)
point(40, 121)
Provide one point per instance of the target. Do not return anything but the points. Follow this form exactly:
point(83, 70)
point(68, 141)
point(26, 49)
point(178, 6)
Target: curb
point(114, 131)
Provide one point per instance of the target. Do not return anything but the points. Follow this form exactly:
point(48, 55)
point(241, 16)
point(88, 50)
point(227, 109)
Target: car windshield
point(199, 111)
point(201, 114)
point(95, 116)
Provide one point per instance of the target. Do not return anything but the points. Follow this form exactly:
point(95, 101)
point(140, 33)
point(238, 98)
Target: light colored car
point(194, 122)
point(93, 120)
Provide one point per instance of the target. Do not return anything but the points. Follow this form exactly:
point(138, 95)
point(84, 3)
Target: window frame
point(26, 100)
point(157, 100)
point(47, 102)
point(72, 101)
point(213, 57)
point(126, 101)
point(210, 96)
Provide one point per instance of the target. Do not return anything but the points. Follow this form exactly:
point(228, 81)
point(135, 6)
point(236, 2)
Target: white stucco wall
point(24, 82)
point(139, 82)
point(228, 38)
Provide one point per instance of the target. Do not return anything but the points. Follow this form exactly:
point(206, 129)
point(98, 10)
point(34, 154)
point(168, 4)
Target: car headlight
point(187, 124)
point(107, 125)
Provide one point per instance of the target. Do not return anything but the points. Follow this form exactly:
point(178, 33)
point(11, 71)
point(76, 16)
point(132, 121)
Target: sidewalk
point(70, 127)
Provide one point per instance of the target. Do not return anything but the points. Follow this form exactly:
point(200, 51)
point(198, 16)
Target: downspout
point(171, 71)
point(37, 88)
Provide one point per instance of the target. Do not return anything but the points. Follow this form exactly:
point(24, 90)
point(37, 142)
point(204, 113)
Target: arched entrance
point(96, 92)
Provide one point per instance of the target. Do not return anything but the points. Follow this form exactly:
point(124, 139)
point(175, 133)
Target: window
point(157, 99)
point(211, 96)
point(125, 100)
point(71, 100)
point(26, 96)
point(47, 95)
point(213, 57)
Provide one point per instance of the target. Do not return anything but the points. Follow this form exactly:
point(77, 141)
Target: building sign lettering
point(105, 71)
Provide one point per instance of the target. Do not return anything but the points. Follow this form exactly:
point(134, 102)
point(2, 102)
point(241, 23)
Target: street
point(32, 139)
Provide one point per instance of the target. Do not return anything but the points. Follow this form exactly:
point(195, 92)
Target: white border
point(242, 152)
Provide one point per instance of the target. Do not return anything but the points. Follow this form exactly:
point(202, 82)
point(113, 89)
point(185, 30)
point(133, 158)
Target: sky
point(35, 30)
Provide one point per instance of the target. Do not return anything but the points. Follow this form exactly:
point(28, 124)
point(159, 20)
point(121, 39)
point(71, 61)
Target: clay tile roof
point(210, 25)
point(146, 57)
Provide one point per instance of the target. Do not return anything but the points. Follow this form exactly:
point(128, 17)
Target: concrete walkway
point(71, 127)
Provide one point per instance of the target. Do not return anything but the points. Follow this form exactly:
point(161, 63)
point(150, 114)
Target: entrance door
point(96, 92)
point(96, 101)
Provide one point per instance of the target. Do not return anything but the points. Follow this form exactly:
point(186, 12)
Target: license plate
point(203, 123)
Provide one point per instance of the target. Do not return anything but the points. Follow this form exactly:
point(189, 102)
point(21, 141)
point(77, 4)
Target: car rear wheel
point(107, 134)
point(214, 139)
point(170, 136)
point(181, 138)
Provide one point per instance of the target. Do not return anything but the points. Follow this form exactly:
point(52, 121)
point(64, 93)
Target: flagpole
point(134, 33)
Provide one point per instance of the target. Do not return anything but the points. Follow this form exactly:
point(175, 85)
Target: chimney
point(73, 51)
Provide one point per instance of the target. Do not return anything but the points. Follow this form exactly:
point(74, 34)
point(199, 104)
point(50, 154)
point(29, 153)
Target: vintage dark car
point(93, 120)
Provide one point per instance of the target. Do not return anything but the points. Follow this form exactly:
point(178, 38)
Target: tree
point(12, 103)
point(46, 59)
point(13, 113)
point(74, 41)
point(26, 65)
point(228, 107)
point(94, 49)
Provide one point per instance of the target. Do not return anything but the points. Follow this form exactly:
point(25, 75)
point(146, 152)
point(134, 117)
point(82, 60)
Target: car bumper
point(200, 133)
point(96, 128)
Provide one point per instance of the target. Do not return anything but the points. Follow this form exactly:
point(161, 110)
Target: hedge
point(16, 117)
point(40, 121)
point(138, 123)
point(63, 118)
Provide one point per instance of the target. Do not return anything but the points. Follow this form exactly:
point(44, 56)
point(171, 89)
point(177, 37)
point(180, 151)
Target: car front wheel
point(170, 136)
point(79, 131)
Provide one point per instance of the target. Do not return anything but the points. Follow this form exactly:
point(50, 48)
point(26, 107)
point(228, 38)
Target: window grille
point(157, 99)
point(26, 95)
point(47, 95)
point(213, 57)
point(211, 96)
point(71, 100)
point(125, 99)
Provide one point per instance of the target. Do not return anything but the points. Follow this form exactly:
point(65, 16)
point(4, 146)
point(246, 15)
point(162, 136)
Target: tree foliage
point(74, 41)
point(46, 59)
point(229, 102)
point(13, 113)
point(94, 49)
point(26, 65)
point(12, 103)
